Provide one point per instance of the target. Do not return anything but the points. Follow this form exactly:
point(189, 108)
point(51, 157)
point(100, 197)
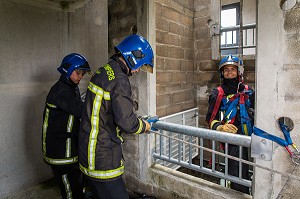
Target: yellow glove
point(148, 127)
point(230, 128)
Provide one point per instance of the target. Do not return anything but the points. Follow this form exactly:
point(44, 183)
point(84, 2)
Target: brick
point(202, 11)
point(206, 65)
point(187, 86)
point(188, 105)
point(204, 3)
point(172, 64)
point(170, 88)
point(187, 65)
point(190, 77)
point(170, 14)
point(249, 77)
point(203, 55)
point(203, 76)
point(249, 65)
point(186, 42)
point(178, 77)
point(171, 39)
point(160, 63)
point(161, 111)
point(162, 24)
point(203, 108)
point(162, 50)
point(160, 89)
point(182, 96)
point(158, 10)
point(160, 36)
point(176, 28)
point(162, 77)
point(163, 100)
point(201, 22)
point(202, 33)
point(186, 3)
point(176, 52)
point(186, 21)
point(189, 33)
point(174, 109)
point(189, 54)
point(203, 44)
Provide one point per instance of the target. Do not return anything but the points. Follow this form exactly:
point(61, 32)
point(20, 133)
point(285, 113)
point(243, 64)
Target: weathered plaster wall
point(278, 64)
point(33, 42)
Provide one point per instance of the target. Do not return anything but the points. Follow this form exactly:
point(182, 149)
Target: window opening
point(230, 15)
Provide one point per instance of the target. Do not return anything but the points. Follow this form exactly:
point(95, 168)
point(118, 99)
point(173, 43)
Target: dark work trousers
point(69, 179)
point(108, 189)
point(233, 167)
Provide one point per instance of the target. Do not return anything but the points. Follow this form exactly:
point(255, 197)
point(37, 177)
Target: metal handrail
point(233, 28)
point(176, 146)
point(230, 138)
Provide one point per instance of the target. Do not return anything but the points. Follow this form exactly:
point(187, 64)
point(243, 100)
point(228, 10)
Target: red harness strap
point(217, 104)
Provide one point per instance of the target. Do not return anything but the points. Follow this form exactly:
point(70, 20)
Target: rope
point(232, 157)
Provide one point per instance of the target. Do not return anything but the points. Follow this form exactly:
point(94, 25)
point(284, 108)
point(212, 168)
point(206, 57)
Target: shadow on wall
point(32, 128)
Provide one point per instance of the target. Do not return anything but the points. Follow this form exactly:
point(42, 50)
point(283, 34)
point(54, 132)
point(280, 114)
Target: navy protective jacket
point(61, 123)
point(108, 111)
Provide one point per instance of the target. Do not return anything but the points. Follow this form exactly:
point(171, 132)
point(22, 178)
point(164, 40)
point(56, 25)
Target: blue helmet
point(231, 60)
point(137, 52)
point(71, 62)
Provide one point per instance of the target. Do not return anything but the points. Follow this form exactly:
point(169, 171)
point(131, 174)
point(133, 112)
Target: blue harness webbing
point(230, 107)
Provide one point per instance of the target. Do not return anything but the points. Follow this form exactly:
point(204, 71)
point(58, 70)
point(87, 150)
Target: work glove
point(230, 128)
point(152, 120)
point(148, 127)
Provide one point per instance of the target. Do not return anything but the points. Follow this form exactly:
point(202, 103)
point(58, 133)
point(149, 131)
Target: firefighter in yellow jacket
point(107, 113)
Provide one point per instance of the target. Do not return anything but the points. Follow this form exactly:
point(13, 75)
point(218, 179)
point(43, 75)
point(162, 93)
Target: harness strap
point(217, 104)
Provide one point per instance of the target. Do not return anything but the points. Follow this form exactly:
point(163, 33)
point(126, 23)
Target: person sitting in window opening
point(231, 108)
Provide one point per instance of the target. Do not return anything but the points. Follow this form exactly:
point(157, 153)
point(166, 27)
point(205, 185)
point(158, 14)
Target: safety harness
point(230, 107)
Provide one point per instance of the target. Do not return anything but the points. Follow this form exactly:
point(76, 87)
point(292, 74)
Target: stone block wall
point(174, 56)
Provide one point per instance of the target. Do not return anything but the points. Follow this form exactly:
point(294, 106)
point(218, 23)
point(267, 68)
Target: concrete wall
point(33, 42)
point(168, 183)
point(277, 95)
point(174, 56)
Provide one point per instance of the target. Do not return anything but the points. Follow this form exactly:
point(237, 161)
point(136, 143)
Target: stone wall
point(174, 56)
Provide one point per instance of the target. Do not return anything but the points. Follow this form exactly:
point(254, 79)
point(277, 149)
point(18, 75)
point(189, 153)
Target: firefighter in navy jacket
point(237, 118)
point(107, 113)
point(61, 125)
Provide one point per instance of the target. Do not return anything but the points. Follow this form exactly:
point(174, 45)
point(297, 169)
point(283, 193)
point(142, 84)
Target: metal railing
point(174, 148)
point(230, 37)
point(188, 140)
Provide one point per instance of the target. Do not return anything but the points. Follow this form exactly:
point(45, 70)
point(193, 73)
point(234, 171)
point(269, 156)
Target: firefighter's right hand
point(230, 128)
point(148, 127)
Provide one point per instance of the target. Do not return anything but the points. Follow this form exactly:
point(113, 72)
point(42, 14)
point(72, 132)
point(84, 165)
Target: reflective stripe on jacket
point(107, 113)
point(61, 121)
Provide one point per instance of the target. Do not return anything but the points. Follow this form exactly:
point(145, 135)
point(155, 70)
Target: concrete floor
point(49, 190)
point(46, 190)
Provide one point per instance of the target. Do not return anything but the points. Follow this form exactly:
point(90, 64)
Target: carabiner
point(296, 158)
